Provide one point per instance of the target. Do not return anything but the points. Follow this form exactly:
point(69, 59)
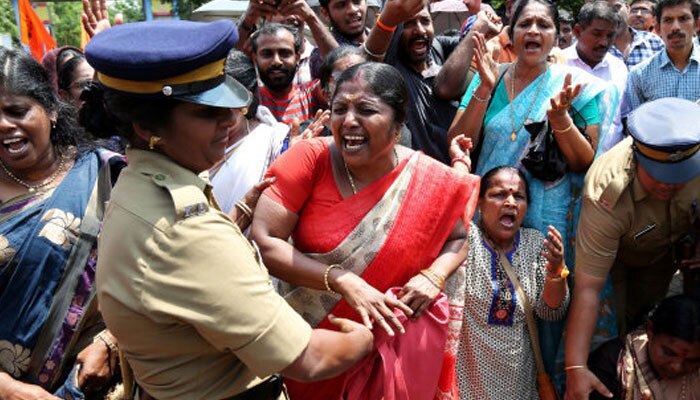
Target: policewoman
point(180, 287)
point(639, 199)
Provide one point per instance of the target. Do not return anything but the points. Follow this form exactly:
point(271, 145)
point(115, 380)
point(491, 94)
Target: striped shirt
point(644, 45)
point(301, 102)
point(658, 77)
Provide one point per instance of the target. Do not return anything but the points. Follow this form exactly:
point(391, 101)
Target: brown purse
point(545, 387)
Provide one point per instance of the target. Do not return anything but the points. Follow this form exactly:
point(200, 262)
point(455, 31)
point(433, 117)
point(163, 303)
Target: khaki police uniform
point(186, 294)
point(625, 231)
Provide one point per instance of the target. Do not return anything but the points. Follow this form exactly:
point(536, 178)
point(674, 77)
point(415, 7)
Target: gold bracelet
point(325, 277)
point(571, 125)
point(436, 279)
point(102, 336)
point(479, 99)
point(573, 367)
point(245, 209)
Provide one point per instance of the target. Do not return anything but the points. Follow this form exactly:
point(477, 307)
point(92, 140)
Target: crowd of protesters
point(309, 203)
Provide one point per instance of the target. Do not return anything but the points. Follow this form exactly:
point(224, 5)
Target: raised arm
point(577, 150)
point(451, 81)
point(468, 121)
point(394, 13)
point(325, 42)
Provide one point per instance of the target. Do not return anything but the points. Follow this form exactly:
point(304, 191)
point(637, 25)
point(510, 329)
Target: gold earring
point(153, 142)
point(244, 110)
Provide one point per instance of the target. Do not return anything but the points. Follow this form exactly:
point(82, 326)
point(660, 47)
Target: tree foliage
point(132, 10)
point(8, 24)
point(65, 22)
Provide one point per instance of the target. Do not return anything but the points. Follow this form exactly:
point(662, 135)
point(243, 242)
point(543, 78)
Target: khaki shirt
point(620, 223)
point(184, 292)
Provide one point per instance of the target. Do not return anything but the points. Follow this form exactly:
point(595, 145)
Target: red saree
point(433, 199)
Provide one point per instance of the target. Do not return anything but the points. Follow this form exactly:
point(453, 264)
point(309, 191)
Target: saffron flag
point(34, 34)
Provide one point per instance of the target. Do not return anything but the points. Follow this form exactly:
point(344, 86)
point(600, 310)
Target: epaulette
point(189, 200)
point(609, 182)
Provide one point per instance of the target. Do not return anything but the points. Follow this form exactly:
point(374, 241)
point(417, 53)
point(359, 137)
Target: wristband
point(383, 27)
point(573, 367)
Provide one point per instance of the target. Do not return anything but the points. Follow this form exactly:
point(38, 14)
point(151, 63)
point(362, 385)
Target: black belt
point(270, 389)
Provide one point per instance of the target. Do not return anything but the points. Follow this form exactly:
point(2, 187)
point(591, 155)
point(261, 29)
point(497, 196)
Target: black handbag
point(544, 160)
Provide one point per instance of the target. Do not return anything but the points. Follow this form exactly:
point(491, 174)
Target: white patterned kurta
point(495, 361)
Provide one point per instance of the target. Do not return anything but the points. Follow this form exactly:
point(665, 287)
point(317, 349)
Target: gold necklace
point(352, 181)
point(34, 188)
point(514, 134)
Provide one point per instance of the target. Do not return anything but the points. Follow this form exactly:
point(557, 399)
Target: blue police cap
point(183, 60)
point(666, 136)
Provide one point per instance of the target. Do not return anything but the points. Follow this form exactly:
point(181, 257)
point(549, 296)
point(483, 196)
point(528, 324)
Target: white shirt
point(613, 70)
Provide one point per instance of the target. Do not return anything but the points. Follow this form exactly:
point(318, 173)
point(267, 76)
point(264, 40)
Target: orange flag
point(34, 34)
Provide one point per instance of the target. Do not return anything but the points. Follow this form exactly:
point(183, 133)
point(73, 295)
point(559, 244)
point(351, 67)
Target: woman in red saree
point(365, 215)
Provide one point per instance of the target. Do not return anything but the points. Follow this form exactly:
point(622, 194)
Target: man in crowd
point(347, 21)
point(276, 51)
point(296, 13)
point(566, 29)
point(631, 45)
point(642, 15)
point(639, 199)
point(676, 71)
point(595, 32)
point(419, 55)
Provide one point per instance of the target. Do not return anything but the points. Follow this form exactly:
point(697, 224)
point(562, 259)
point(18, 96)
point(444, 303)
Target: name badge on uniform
point(644, 231)
point(195, 209)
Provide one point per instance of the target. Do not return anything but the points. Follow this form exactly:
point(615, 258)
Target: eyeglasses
point(643, 11)
point(82, 85)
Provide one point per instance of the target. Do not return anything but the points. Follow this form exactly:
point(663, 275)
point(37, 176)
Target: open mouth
point(419, 46)
point(532, 46)
point(355, 21)
point(15, 145)
point(354, 143)
point(507, 220)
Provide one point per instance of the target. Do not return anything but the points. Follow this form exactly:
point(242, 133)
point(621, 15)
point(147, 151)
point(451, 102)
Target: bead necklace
point(514, 134)
point(352, 181)
point(34, 188)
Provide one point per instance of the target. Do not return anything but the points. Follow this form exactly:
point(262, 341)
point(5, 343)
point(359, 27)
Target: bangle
point(102, 336)
point(245, 209)
point(482, 100)
point(571, 125)
point(384, 27)
point(436, 279)
point(573, 367)
point(562, 275)
point(325, 277)
point(463, 161)
point(369, 53)
point(246, 27)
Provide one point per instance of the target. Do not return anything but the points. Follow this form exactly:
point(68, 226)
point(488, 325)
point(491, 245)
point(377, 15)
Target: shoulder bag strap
point(89, 228)
point(531, 325)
